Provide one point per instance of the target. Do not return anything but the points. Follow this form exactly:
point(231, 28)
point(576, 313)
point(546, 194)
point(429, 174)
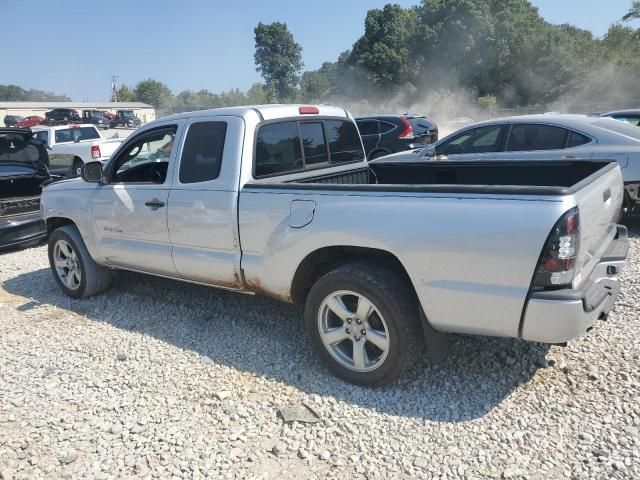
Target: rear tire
point(76, 168)
point(384, 314)
point(75, 272)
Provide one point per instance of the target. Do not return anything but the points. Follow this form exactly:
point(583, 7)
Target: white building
point(146, 113)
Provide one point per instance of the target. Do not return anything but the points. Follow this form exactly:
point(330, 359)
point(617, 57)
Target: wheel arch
point(57, 222)
point(325, 259)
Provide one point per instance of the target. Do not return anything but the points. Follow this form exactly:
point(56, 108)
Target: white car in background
point(70, 146)
point(561, 137)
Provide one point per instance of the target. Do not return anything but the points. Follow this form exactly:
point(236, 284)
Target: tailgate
point(599, 202)
point(107, 147)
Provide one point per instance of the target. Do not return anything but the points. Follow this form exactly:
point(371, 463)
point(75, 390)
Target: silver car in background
point(545, 137)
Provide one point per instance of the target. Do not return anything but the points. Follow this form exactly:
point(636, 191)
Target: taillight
point(407, 132)
point(557, 265)
point(95, 151)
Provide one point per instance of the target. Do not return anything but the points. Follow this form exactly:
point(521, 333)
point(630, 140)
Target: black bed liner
point(515, 177)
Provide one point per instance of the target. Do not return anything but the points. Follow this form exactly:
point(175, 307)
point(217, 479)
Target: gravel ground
point(157, 379)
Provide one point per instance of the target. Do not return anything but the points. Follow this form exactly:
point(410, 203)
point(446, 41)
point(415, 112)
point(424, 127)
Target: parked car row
point(68, 116)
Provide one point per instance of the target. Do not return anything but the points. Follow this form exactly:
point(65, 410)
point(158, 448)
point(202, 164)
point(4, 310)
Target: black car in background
point(95, 117)
point(12, 120)
point(385, 134)
point(629, 116)
point(62, 116)
point(23, 170)
point(125, 118)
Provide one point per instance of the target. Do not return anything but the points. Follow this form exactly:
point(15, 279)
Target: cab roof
point(266, 112)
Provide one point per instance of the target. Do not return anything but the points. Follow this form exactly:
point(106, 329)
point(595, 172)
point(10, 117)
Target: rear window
point(42, 135)
point(419, 125)
point(202, 153)
point(313, 143)
point(79, 134)
point(618, 127)
point(536, 137)
point(287, 147)
point(344, 141)
point(367, 127)
point(386, 127)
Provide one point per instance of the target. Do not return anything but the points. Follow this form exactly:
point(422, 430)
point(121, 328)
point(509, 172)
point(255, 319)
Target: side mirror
point(431, 153)
point(91, 172)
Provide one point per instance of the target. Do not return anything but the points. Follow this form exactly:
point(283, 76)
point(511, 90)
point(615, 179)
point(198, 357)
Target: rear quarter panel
point(470, 259)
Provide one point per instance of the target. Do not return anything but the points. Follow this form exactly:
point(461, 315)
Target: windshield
point(617, 126)
point(419, 125)
point(128, 114)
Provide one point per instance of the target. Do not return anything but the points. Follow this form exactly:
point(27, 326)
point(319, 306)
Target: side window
point(344, 141)
point(145, 159)
point(536, 137)
point(386, 127)
point(477, 140)
point(202, 153)
point(278, 149)
point(43, 136)
point(315, 148)
point(576, 139)
point(367, 127)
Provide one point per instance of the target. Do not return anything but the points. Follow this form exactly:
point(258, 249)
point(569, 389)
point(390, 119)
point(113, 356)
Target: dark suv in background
point(62, 116)
point(385, 134)
point(12, 120)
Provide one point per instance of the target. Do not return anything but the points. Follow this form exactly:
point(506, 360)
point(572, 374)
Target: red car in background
point(29, 122)
point(108, 115)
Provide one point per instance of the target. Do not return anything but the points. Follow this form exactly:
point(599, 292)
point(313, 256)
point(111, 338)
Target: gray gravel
point(157, 379)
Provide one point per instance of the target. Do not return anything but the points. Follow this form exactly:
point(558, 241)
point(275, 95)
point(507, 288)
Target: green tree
point(278, 59)
point(123, 94)
point(317, 84)
point(14, 93)
point(383, 51)
point(633, 13)
point(154, 93)
point(256, 95)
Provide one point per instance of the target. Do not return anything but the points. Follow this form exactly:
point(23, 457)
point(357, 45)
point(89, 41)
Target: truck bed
point(516, 177)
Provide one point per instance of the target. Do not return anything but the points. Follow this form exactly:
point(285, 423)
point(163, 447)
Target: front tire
point(364, 324)
point(75, 272)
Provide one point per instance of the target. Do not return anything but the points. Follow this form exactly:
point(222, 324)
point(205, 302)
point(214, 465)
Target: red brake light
point(308, 110)
point(407, 132)
point(95, 151)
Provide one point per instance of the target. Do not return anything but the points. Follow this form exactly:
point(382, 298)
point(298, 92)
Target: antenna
point(114, 87)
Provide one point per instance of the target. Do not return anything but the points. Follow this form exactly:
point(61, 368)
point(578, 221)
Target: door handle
point(155, 203)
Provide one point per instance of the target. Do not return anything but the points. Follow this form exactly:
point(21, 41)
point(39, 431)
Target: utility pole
point(114, 87)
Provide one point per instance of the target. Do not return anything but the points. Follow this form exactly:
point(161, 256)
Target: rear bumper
point(562, 315)
point(21, 229)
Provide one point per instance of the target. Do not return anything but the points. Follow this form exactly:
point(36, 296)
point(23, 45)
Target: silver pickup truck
point(385, 256)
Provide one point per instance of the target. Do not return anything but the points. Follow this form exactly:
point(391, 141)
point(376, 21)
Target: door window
point(386, 127)
point(76, 134)
point(525, 138)
point(344, 141)
point(368, 127)
point(477, 140)
point(202, 153)
point(146, 158)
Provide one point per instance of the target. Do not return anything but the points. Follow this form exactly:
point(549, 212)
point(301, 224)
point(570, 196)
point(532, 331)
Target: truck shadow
point(267, 338)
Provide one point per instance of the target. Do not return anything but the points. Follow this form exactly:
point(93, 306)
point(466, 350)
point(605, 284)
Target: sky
point(73, 47)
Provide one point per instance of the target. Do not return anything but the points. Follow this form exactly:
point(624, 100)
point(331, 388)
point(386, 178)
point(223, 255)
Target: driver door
point(130, 210)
